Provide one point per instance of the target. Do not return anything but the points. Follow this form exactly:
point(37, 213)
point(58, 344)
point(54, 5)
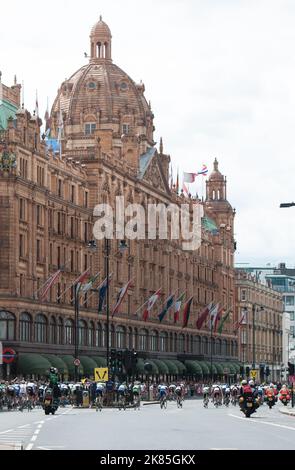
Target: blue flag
point(102, 290)
point(169, 304)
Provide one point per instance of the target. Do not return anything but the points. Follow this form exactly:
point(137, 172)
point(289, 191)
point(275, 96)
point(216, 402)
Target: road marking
point(34, 438)
point(29, 446)
point(5, 432)
point(25, 426)
point(262, 422)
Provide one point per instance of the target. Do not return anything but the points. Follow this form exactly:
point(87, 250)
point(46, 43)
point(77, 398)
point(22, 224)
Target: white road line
point(5, 432)
point(37, 432)
point(262, 422)
point(25, 426)
point(34, 438)
point(29, 446)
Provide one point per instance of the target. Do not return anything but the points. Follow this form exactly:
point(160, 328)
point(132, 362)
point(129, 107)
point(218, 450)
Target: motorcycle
point(270, 400)
point(285, 399)
point(50, 404)
point(248, 405)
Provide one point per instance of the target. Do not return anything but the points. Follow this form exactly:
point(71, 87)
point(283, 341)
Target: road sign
point(77, 362)
point(8, 355)
point(101, 374)
point(253, 374)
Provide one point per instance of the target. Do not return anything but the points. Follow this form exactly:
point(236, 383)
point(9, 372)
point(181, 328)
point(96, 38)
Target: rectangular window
point(58, 257)
point(125, 129)
point(38, 208)
point(50, 254)
point(72, 227)
point(21, 246)
point(289, 299)
point(243, 295)
point(86, 199)
point(60, 188)
point(90, 128)
point(73, 194)
point(22, 214)
point(292, 316)
point(72, 260)
point(38, 253)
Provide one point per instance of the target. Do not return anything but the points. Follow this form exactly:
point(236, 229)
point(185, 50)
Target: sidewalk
point(288, 411)
point(11, 446)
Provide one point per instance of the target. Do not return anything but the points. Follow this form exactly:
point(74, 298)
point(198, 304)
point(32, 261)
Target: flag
point(152, 300)
point(120, 297)
point(102, 290)
point(204, 171)
point(218, 318)
point(213, 315)
point(169, 303)
point(189, 177)
point(203, 315)
point(220, 328)
point(241, 322)
point(49, 283)
point(83, 277)
point(177, 307)
point(37, 106)
point(185, 189)
point(186, 312)
point(86, 287)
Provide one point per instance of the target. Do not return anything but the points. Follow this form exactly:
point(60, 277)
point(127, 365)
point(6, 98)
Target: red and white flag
point(152, 300)
point(213, 315)
point(189, 177)
point(49, 283)
point(121, 296)
point(218, 317)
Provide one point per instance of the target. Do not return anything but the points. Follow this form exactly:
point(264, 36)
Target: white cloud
point(220, 75)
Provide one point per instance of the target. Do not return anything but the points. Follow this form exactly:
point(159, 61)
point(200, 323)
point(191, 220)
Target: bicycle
point(98, 403)
point(163, 402)
point(179, 401)
point(122, 402)
point(136, 401)
point(206, 401)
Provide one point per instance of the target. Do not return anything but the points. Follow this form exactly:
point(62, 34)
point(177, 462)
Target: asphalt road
point(150, 428)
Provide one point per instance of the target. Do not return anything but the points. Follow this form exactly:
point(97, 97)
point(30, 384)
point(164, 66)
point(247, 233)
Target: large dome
point(101, 96)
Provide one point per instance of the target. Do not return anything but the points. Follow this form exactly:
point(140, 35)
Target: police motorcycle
point(247, 401)
point(52, 393)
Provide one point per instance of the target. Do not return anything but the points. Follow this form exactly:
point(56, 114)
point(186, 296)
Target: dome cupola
point(100, 42)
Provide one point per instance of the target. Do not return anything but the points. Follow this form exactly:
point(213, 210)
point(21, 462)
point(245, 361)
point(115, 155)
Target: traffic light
point(262, 371)
point(133, 360)
point(247, 371)
point(113, 361)
point(267, 371)
point(242, 370)
point(119, 362)
point(291, 368)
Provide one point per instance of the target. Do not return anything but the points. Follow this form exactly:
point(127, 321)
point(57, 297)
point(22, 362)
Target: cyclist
point(172, 388)
point(179, 395)
point(206, 393)
point(122, 391)
point(234, 393)
point(226, 396)
point(163, 392)
point(136, 390)
point(100, 390)
point(217, 394)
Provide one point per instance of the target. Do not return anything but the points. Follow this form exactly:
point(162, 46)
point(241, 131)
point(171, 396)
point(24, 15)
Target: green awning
point(57, 362)
point(163, 369)
point(155, 369)
point(214, 370)
point(236, 366)
point(229, 366)
point(204, 367)
point(100, 361)
point(171, 366)
point(193, 367)
point(180, 366)
point(29, 364)
point(140, 366)
point(88, 365)
point(219, 368)
point(69, 361)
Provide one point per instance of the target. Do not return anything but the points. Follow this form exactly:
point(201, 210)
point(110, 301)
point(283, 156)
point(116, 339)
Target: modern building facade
point(260, 327)
point(49, 188)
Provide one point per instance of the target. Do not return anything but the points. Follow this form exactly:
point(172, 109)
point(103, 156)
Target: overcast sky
point(220, 75)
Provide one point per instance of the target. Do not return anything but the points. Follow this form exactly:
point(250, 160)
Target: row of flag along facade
point(213, 315)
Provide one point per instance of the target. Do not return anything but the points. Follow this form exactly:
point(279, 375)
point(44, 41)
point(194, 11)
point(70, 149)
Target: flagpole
point(107, 252)
point(76, 304)
point(211, 351)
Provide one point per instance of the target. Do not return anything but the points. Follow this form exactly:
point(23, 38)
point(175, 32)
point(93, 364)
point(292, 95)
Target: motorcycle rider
point(284, 393)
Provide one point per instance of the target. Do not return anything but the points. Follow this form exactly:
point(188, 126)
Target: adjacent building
point(260, 327)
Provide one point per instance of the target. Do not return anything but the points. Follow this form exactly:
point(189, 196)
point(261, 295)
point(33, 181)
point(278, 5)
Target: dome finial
point(215, 165)
point(161, 146)
point(100, 17)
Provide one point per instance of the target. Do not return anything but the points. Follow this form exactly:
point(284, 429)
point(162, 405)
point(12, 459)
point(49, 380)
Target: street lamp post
point(253, 335)
point(107, 269)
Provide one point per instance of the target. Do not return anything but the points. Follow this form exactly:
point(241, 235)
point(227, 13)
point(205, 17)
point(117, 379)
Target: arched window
point(40, 329)
point(143, 340)
point(82, 333)
point(197, 345)
point(181, 344)
point(69, 332)
point(25, 327)
point(52, 331)
point(154, 341)
point(218, 347)
point(120, 337)
point(212, 345)
point(7, 326)
point(163, 342)
point(99, 336)
point(129, 338)
point(59, 337)
point(91, 334)
point(205, 345)
point(135, 339)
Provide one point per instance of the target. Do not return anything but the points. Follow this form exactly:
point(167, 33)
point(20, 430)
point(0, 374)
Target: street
point(150, 428)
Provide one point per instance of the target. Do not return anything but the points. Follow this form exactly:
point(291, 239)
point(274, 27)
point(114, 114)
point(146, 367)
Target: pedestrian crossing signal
point(101, 374)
